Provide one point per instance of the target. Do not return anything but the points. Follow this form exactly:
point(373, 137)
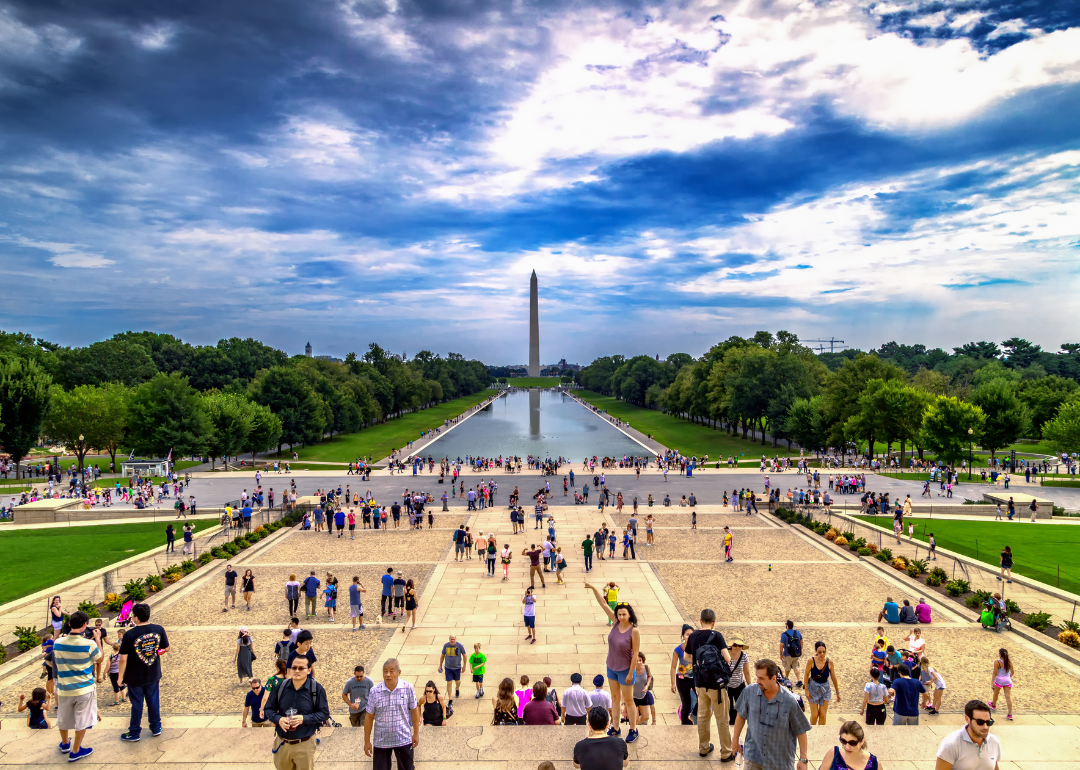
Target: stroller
point(994, 617)
point(306, 524)
point(124, 619)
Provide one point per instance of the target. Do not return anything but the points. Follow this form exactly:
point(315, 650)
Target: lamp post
point(80, 461)
point(971, 438)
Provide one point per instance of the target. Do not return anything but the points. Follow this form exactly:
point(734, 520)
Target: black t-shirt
point(141, 645)
point(705, 636)
point(605, 753)
point(230, 577)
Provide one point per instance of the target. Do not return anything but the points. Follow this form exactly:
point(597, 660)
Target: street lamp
point(80, 461)
point(971, 438)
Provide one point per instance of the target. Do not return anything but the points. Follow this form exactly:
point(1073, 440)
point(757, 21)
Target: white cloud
point(73, 259)
point(157, 37)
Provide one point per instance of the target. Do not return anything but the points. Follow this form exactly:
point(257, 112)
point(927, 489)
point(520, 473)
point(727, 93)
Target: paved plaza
point(778, 573)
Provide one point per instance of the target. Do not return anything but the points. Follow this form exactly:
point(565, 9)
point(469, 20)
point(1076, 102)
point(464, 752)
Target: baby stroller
point(124, 619)
point(994, 617)
point(306, 522)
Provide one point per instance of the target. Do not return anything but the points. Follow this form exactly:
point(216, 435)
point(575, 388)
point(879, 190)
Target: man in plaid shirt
point(394, 716)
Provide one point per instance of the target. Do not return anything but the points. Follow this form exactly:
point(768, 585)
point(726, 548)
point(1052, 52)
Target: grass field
point(689, 438)
point(1061, 482)
point(34, 559)
point(534, 382)
point(1039, 550)
point(378, 440)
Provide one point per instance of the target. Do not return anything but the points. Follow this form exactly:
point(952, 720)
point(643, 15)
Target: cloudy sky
point(392, 170)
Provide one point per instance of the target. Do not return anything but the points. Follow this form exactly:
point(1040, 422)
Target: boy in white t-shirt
point(598, 696)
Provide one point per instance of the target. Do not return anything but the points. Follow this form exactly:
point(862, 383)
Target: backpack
point(793, 644)
point(710, 666)
point(292, 592)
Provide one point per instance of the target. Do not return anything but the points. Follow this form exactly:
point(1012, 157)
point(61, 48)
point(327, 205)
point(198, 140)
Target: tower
point(534, 328)
point(307, 350)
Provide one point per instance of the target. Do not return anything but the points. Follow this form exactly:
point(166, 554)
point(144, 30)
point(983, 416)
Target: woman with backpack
point(292, 594)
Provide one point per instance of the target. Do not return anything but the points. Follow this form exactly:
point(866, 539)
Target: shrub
point(90, 609)
point(1011, 606)
point(864, 551)
point(873, 548)
point(172, 569)
point(153, 583)
point(832, 534)
point(172, 577)
point(241, 544)
point(26, 638)
point(899, 563)
point(912, 570)
point(841, 540)
point(187, 566)
point(1068, 625)
point(933, 580)
point(3, 655)
point(921, 564)
point(230, 549)
point(940, 574)
point(135, 590)
point(881, 557)
point(114, 602)
point(1040, 621)
point(216, 552)
point(205, 558)
point(1070, 638)
point(957, 587)
point(888, 553)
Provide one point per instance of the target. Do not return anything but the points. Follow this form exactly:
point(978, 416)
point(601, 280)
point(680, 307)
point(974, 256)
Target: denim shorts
point(622, 677)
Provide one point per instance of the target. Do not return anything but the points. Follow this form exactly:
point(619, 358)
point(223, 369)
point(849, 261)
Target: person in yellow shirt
point(611, 595)
point(727, 545)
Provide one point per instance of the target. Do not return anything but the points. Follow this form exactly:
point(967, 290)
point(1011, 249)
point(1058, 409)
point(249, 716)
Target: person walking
point(819, 671)
point(230, 587)
point(624, 641)
point(712, 662)
point(874, 700)
point(851, 754)
point(791, 650)
point(452, 658)
point(141, 649)
point(247, 587)
point(392, 724)
point(587, 548)
point(740, 675)
point(170, 538)
point(355, 694)
point(529, 611)
point(1002, 680)
point(972, 747)
point(1006, 565)
point(410, 604)
point(682, 678)
point(433, 706)
point(907, 693)
point(296, 707)
point(774, 722)
point(253, 704)
point(292, 594)
point(74, 656)
point(506, 556)
point(311, 595)
point(356, 604)
point(244, 656)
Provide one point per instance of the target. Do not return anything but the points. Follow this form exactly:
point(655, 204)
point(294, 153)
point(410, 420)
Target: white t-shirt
point(600, 698)
point(916, 645)
point(961, 752)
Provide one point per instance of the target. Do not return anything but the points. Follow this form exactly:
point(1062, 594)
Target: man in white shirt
point(393, 715)
point(971, 747)
point(576, 702)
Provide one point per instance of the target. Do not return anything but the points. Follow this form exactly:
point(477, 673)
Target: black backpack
point(710, 668)
point(793, 645)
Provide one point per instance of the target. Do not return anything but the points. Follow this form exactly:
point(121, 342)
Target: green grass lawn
point(1060, 483)
point(1038, 549)
point(378, 440)
point(534, 382)
point(689, 438)
point(34, 559)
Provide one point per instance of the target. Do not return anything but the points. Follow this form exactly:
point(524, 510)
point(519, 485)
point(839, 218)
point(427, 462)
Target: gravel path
point(269, 606)
point(803, 592)
point(390, 546)
point(682, 519)
point(758, 544)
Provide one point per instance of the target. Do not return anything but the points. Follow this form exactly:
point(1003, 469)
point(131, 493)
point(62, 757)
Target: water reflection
point(534, 412)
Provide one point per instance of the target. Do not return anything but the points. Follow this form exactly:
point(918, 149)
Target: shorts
point(230, 590)
point(646, 701)
point(453, 674)
point(530, 621)
point(352, 527)
point(399, 601)
point(626, 676)
point(478, 678)
point(459, 548)
point(789, 662)
point(77, 712)
point(356, 610)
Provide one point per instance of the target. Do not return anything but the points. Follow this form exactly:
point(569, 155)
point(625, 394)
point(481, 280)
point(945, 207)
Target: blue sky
point(392, 171)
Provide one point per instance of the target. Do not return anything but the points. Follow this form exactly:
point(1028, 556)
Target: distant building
point(307, 350)
point(332, 359)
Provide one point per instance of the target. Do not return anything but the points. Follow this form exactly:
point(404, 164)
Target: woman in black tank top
point(433, 705)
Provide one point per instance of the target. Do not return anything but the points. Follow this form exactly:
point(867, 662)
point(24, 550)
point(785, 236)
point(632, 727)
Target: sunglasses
point(297, 668)
point(852, 744)
point(981, 722)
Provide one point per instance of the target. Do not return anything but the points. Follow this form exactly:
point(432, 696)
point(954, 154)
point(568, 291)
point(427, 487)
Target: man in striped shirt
point(74, 657)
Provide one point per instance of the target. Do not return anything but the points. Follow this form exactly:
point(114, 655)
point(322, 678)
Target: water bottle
point(770, 568)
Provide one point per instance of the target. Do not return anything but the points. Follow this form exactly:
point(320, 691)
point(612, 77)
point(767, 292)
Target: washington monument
point(534, 328)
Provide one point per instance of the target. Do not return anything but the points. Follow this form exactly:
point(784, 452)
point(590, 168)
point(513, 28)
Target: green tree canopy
point(945, 428)
point(166, 414)
point(24, 404)
point(98, 413)
point(1006, 416)
point(1063, 431)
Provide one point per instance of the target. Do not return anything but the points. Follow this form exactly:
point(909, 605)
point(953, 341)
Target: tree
point(1044, 396)
point(1019, 353)
point(24, 404)
point(978, 350)
point(97, 413)
point(265, 431)
point(115, 360)
point(167, 414)
point(289, 395)
point(805, 423)
point(1063, 431)
point(230, 417)
point(945, 428)
point(1006, 416)
point(844, 387)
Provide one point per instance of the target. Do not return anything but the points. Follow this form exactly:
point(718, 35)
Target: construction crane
point(832, 343)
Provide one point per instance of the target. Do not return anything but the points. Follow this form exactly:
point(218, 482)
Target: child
point(476, 665)
point(881, 636)
point(693, 519)
point(911, 530)
point(600, 697)
point(104, 632)
point(611, 545)
point(114, 675)
point(546, 765)
point(933, 548)
point(36, 719)
point(877, 656)
point(331, 599)
point(727, 545)
point(611, 595)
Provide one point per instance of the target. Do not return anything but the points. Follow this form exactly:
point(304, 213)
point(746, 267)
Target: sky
point(392, 171)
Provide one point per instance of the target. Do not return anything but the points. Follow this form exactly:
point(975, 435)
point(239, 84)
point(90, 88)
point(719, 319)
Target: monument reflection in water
point(545, 424)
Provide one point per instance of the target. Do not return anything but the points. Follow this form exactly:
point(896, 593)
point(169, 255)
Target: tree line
point(981, 394)
point(155, 393)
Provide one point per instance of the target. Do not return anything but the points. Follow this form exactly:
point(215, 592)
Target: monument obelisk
point(534, 328)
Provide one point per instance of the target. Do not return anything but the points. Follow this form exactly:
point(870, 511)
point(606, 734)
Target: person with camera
point(298, 707)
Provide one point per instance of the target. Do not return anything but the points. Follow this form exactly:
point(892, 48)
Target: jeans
point(588, 562)
point(137, 693)
point(686, 688)
point(387, 605)
point(380, 759)
point(491, 566)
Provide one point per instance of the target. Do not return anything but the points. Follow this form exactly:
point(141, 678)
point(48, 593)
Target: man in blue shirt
point(339, 521)
point(253, 704)
point(907, 692)
point(890, 612)
point(387, 600)
point(311, 594)
point(245, 512)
